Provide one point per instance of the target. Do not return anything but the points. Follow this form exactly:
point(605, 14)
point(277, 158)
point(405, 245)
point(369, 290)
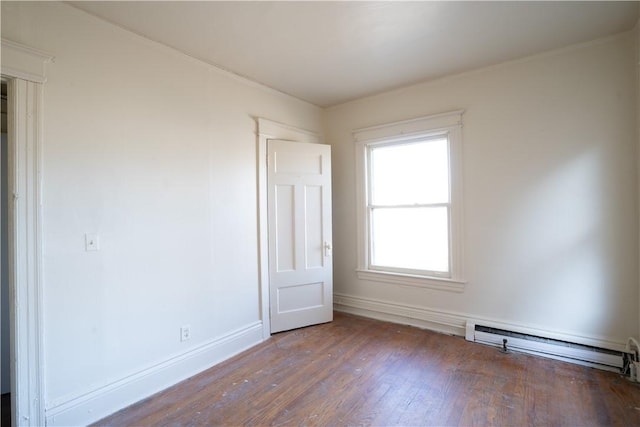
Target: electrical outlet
point(185, 333)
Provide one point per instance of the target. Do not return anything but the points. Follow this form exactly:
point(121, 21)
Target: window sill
point(439, 283)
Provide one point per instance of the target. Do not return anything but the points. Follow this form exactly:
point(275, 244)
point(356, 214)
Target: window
point(410, 202)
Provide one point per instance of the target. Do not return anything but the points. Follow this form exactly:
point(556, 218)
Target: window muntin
point(408, 208)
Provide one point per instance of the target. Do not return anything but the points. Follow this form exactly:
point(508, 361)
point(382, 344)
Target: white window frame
point(445, 124)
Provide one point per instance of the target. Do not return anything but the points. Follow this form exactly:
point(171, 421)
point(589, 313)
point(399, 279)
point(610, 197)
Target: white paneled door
point(300, 239)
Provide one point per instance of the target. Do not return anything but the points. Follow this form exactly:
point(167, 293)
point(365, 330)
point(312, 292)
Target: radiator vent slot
point(581, 354)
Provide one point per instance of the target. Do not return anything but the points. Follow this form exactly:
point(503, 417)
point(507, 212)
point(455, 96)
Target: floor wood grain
point(357, 371)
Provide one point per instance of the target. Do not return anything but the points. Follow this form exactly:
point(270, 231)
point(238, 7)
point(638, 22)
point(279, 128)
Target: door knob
point(327, 249)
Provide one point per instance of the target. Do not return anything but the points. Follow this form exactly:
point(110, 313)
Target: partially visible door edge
point(267, 130)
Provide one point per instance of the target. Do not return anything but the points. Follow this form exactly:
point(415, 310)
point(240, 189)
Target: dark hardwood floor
point(6, 410)
point(357, 371)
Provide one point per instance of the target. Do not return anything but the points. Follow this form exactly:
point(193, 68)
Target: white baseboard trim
point(97, 404)
point(420, 317)
point(455, 323)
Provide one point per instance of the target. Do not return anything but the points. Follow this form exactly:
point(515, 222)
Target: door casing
point(24, 70)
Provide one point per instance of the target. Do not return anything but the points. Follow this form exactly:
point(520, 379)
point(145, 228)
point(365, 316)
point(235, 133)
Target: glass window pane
point(410, 238)
point(410, 173)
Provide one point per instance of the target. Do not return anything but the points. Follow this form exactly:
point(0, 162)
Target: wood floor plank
point(357, 371)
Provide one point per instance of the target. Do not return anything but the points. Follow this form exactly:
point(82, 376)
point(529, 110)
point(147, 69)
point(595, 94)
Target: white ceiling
point(330, 52)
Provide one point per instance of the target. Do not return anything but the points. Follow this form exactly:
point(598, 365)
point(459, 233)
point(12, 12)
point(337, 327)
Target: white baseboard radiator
point(581, 354)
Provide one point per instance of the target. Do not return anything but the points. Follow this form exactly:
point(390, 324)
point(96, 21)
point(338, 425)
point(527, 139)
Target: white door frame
point(24, 70)
point(267, 130)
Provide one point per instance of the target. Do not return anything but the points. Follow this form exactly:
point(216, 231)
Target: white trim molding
point(93, 405)
point(268, 129)
point(447, 124)
point(440, 283)
point(274, 130)
point(24, 62)
point(25, 258)
point(420, 317)
point(24, 69)
point(409, 128)
point(456, 323)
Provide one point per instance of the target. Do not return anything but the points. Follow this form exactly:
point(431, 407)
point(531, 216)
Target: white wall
point(550, 198)
point(155, 152)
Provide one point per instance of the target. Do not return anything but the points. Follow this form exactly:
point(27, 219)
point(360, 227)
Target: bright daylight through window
point(409, 192)
point(408, 206)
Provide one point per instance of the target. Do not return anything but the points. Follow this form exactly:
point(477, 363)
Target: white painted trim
point(420, 317)
point(450, 124)
point(456, 323)
point(409, 127)
point(268, 129)
point(24, 62)
point(25, 262)
point(96, 404)
point(24, 69)
point(438, 283)
point(275, 130)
